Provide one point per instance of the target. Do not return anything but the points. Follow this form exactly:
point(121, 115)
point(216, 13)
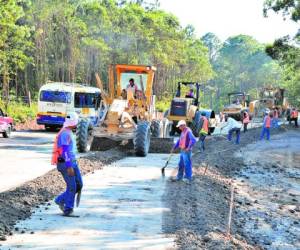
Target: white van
point(57, 99)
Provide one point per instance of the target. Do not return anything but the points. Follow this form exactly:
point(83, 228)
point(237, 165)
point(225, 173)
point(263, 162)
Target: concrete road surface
point(121, 208)
point(23, 157)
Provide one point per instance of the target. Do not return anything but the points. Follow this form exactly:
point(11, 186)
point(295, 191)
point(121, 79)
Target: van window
point(55, 96)
point(85, 100)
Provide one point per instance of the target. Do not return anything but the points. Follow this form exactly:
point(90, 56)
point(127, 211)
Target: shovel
point(167, 162)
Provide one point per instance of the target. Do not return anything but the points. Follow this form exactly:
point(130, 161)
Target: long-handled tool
point(167, 162)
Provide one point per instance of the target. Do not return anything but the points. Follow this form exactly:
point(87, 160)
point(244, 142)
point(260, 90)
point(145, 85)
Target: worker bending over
point(64, 157)
point(232, 126)
point(185, 143)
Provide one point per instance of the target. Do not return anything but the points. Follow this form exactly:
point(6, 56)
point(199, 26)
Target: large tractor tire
point(84, 136)
point(141, 139)
point(156, 128)
point(195, 124)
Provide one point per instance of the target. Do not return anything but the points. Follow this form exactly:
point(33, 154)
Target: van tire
point(84, 136)
point(7, 133)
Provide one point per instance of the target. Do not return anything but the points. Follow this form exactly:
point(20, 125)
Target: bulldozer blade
point(161, 145)
point(103, 144)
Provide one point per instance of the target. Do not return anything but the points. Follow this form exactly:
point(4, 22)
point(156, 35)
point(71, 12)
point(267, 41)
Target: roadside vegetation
point(70, 41)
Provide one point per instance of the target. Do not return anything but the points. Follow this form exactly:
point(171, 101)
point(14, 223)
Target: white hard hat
point(71, 120)
point(181, 122)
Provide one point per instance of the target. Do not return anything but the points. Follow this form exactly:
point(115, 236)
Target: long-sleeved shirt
point(231, 123)
point(187, 138)
point(67, 142)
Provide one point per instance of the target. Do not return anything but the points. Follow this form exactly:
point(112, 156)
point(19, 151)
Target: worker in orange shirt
point(266, 126)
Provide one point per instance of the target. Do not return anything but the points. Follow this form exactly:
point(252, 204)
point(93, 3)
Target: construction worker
point(185, 143)
point(64, 157)
point(190, 94)
point(294, 116)
point(203, 130)
point(233, 126)
point(266, 126)
point(246, 120)
point(131, 89)
point(275, 120)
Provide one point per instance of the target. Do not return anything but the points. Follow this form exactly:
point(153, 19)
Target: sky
point(227, 18)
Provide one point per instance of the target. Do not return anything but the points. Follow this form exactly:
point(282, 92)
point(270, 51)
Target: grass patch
point(20, 112)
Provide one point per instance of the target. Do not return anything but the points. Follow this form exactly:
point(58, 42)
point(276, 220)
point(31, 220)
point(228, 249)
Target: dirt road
point(121, 209)
point(265, 212)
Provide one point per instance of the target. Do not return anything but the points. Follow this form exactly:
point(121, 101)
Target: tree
point(14, 43)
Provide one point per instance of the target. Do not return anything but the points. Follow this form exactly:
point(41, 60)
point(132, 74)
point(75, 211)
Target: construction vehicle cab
point(129, 110)
point(272, 97)
point(185, 107)
point(238, 102)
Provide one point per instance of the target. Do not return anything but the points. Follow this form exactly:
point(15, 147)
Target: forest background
point(71, 40)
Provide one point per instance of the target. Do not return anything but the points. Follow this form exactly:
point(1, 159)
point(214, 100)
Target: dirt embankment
point(199, 212)
point(17, 204)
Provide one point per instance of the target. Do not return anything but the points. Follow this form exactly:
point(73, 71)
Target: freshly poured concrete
point(121, 208)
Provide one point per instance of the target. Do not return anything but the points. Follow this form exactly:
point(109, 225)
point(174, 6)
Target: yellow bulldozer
point(127, 112)
point(238, 103)
point(269, 99)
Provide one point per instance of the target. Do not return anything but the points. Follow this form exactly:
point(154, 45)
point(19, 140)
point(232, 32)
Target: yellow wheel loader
point(238, 103)
point(185, 107)
point(127, 111)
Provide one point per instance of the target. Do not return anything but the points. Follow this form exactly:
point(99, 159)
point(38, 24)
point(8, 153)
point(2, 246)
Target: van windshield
point(85, 100)
point(55, 96)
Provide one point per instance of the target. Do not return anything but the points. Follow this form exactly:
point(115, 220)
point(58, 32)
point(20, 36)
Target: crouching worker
point(185, 143)
point(232, 126)
point(65, 159)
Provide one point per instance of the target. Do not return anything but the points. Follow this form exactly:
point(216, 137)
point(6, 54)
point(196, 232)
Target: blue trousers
point(237, 131)
point(185, 166)
point(263, 132)
point(202, 140)
point(275, 123)
point(73, 183)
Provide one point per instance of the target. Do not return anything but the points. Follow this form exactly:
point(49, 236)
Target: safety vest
point(294, 114)
point(246, 119)
point(56, 150)
point(204, 129)
point(183, 138)
point(268, 122)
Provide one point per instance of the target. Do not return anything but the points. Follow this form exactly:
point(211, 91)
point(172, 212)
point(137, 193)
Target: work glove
point(70, 171)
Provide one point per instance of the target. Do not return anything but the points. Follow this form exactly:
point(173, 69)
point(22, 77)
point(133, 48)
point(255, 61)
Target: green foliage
point(20, 112)
point(286, 50)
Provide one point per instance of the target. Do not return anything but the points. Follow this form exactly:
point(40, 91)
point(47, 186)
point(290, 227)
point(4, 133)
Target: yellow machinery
point(185, 108)
point(128, 113)
point(270, 98)
point(238, 103)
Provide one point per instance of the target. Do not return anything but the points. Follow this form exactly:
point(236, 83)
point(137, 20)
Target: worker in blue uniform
point(64, 156)
point(185, 143)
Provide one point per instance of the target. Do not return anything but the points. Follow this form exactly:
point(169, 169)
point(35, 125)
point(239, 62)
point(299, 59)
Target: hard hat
point(181, 122)
point(71, 120)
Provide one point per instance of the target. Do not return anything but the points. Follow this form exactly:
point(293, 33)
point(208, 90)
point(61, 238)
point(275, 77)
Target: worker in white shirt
point(233, 126)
